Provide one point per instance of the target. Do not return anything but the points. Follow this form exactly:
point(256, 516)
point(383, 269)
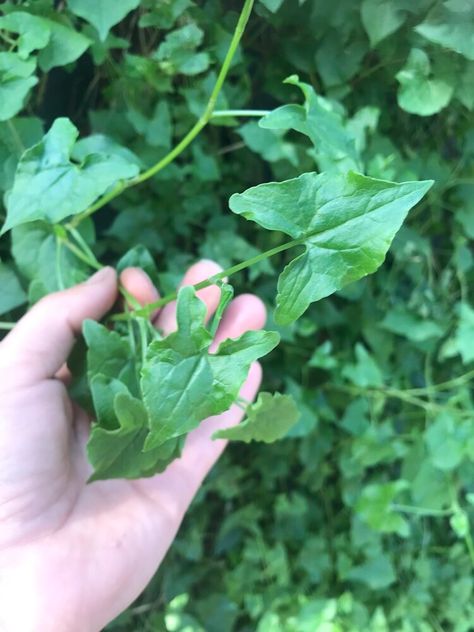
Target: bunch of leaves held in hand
point(156, 138)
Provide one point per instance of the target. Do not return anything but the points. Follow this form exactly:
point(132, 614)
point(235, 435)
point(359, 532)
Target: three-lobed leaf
point(346, 224)
point(140, 425)
point(182, 383)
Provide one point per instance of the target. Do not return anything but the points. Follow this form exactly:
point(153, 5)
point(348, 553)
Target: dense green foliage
point(360, 518)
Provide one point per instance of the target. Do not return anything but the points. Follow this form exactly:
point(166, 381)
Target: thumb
point(40, 343)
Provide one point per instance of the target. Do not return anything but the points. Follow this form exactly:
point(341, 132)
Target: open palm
point(73, 556)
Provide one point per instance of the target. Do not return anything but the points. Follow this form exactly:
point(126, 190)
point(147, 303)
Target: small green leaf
point(177, 54)
point(268, 420)
point(33, 31)
point(420, 92)
point(118, 453)
point(377, 572)
point(103, 14)
point(318, 119)
point(104, 390)
point(64, 46)
point(346, 224)
point(231, 362)
point(446, 440)
point(402, 322)
point(272, 5)
point(12, 294)
point(109, 355)
point(139, 257)
point(381, 18)
point(268, 143)
point(42, 260)
point(374, 507)
point(459, 522)
point(464, 337)
point(15, 83)
point(365, 372)
point(450, 25)
point(164, 15)
point(49, 187)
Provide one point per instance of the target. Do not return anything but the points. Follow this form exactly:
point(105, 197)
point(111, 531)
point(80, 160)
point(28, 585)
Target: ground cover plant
point(288, 141)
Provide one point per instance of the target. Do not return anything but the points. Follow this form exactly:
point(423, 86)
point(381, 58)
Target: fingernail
point(99, 276)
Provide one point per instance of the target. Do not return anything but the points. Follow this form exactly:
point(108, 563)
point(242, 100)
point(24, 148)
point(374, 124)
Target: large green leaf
point(346, 224)
point(182, 383)
point(268, 420)
point(103, 14)
point(49, 186)
point(450, 24)
point(420, 91)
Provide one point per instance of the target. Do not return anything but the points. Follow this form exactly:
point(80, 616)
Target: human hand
point(73, 556)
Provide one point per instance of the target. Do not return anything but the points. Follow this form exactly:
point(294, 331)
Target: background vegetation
point(362, 518)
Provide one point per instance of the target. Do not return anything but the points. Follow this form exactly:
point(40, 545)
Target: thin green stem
point(193, 132)
point(16, 136)
point(80, 255)
point(227, 113)
point(421, 511)
point(469, 545)
point(85, 247)
point(146, 311)
point(405, 396)
point(456, 381)
point(7, 39)
point(59, 273)
point(6, 326)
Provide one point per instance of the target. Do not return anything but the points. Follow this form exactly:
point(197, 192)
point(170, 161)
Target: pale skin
point(73, 556)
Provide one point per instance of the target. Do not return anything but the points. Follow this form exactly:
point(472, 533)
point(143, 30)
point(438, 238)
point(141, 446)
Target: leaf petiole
point(85, 247)
point(7, 326)
point(246, 113)
point(146, 311)
point(93, 263)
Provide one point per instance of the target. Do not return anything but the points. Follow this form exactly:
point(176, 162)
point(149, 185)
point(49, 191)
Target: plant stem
point(7, 326)
point(470, 546)
point(59, 274)
point(226, 113)
point(461, 379)
point(146, 311)
point(193, 132)
point(80, 255)
point(85, 247)
point(421, 511)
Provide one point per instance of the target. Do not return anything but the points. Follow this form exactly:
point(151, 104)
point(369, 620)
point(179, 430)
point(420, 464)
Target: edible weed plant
point(288, 141)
